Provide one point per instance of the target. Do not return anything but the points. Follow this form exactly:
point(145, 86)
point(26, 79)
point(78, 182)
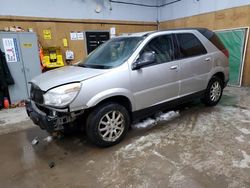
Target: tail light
point(226, 53)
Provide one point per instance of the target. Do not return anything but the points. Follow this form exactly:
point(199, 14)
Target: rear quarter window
point(190, 45)
point(212, 37)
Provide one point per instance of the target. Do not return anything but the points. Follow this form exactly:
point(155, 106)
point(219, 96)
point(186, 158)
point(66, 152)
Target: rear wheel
point(213, 92)
point(107, 124)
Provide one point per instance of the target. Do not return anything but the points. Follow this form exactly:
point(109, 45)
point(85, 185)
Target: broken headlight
point(62, 96)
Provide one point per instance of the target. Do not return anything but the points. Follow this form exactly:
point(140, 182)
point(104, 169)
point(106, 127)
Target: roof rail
point(177, 29)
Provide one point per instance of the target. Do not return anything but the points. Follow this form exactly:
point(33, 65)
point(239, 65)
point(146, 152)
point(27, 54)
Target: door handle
point(174, 67)
point(208, 59)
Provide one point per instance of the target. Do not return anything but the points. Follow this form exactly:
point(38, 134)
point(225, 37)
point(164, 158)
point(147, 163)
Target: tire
point(107, 124)
point(213, 92)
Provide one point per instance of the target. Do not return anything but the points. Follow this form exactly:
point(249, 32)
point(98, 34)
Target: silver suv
point(128, 78)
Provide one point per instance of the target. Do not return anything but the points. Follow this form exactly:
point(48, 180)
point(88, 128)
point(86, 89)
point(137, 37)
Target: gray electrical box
point(22, 56)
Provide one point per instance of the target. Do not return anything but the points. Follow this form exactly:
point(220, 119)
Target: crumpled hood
point(65, 75)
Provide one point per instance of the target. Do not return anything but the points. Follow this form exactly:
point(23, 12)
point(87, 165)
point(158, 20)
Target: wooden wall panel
point(224, 19)
point(61, 29)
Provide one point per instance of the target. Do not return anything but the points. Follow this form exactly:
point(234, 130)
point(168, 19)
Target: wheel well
point(122, 100)
point(220, 75)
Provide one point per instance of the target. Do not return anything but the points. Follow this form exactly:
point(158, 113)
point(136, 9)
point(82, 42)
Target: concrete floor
point(202, 147)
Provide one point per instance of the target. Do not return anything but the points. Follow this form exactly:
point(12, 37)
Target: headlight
point(61, 96)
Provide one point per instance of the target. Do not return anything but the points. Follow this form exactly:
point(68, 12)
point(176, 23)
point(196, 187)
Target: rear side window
point(190, 45)
point(212, 37)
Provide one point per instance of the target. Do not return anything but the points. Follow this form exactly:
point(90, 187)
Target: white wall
point(79, 9)
point(185, 8)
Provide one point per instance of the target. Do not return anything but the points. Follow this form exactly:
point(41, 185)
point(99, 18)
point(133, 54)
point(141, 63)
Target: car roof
point(145, 34)
point(139, 34)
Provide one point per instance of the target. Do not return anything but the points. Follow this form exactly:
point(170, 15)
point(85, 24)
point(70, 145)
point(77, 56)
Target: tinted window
point(190, 45)
point(163, 48)
point(212, 37)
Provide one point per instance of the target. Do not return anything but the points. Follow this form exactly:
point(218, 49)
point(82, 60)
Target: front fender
point(111, 93)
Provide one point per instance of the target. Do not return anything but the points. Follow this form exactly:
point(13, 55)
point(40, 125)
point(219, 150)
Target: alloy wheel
point(111, 126)
point(215, 91)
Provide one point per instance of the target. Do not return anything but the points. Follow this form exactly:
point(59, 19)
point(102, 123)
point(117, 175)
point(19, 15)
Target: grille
point(36, 94)
point(43, 109)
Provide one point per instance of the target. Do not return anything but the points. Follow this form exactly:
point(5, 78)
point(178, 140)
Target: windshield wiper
point(96, 66)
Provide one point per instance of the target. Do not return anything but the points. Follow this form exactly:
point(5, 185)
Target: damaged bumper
point(50, 120)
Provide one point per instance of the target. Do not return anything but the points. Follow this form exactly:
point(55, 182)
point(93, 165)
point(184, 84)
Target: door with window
point(195, 64)
point(159, 81)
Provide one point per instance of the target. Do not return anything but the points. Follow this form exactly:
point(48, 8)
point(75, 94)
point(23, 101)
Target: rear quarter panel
point(220, 62)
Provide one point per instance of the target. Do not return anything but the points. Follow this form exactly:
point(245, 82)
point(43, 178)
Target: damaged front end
point(53, 118)
point(50, 119)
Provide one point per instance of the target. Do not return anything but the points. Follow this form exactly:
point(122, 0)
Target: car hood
point(67, 74)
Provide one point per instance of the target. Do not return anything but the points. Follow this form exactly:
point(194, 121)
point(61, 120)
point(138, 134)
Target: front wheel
point(213, 92)
point(107, 124)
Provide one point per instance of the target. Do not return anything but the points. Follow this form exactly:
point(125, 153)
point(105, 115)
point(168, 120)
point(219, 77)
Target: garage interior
point(190, 146)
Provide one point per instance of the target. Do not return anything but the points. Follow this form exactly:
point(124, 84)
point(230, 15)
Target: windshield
point(112, 53)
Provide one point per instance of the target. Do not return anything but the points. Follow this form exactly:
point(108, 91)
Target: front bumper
point(48, 122)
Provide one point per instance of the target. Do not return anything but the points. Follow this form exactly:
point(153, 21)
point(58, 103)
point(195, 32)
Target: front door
point(159, 81)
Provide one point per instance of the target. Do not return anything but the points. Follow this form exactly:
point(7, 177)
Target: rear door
point(158, 82)
point(195, 63)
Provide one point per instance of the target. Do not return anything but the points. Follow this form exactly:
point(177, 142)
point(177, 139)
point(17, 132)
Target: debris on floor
point(35, 141)
point(48, 139)
point(52, 164)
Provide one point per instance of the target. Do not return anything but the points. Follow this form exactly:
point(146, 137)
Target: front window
point(162, 46)
point(112, 53)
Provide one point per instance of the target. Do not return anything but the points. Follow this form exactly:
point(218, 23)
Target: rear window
point(190, 45)
point(212, 37)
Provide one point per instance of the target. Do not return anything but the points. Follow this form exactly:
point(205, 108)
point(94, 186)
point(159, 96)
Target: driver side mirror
point(146, 58)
